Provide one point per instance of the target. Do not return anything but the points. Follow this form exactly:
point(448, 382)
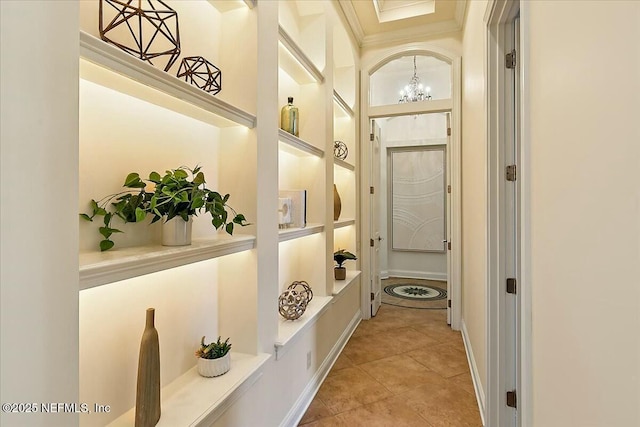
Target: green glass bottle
point(289, 117)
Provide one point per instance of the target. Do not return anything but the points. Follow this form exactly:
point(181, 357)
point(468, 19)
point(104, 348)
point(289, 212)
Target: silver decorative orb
point(303, 289)
point(291, 304)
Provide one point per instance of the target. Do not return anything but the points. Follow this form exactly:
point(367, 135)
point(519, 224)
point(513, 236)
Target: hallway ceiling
point(377, 22)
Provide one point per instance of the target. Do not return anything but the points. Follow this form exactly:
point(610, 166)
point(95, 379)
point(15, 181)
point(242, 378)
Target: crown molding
point(404, 35)
point(461, 7)
point(412, 34)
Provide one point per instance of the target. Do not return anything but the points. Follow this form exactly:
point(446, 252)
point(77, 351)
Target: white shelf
point(296, 146)
point(99, 268)
point(343, 104)
point(339, 286)
point(293, 61)
point(343, 164)
point(343, 223)
point(115, 60)
point(288, 330)
point(296, 233)
point(193, 400)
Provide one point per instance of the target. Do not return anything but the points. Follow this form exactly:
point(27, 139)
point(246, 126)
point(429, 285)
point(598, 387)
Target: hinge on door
point(511, 173)
point(449, 245)
point(512, 285)
point(373, 296)
point(448, 131)
point(512, 399)
point(449, 303)
point(371, 137)
point(371, 243)
point(448, 189)
point(511, 59)
point(372, 190)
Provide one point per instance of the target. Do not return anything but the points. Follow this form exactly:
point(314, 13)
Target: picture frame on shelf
point(284, 212)
point(297, 208)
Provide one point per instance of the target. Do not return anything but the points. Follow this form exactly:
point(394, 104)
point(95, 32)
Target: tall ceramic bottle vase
point(148, 388)
point(337, 203)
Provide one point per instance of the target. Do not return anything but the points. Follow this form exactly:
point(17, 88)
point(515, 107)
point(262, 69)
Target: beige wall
point(474, 195)
point(39, 245)
point(585, 198)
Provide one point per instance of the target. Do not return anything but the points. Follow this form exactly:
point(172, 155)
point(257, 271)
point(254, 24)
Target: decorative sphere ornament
point(146, 29)
point(201, 73)
point(303, 289)
point(340, 150)
point(291, 304)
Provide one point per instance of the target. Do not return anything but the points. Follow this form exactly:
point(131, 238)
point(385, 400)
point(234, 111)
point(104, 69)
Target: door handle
point(379, 238)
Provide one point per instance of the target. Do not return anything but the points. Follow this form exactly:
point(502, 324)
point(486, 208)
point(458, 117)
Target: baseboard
point(417, 275)
point(475, 377)
point(384, 274)
point(300, 407)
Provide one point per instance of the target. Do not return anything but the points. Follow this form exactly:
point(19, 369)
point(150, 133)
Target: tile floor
point(405, 367)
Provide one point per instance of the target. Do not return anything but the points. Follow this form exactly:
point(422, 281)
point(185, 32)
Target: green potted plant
point(340, 256)
point(176, 197)
point(214, 359)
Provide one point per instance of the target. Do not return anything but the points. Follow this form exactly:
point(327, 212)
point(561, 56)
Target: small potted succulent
point(340, 256)
point(214, 359)
point(175, 198)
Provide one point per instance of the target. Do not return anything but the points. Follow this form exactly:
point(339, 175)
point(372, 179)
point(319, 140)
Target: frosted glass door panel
point(418, 199)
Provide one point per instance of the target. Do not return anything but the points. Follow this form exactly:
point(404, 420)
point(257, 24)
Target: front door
point(374, 194)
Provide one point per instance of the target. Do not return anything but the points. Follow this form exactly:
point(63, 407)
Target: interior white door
point(376, 284)
point(448, 217)
point(512, 238)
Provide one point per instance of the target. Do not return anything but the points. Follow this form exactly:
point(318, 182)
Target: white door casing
point(374, 197)
point(370, 64)
point(508, 327)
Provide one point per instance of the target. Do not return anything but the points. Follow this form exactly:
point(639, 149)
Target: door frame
point(499, 16)
point(374, 232)
point(370, 64)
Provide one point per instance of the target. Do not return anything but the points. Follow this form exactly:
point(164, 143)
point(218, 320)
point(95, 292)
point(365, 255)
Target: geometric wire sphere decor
point(146, 29)
point(340, 150)
point(303, 289)
point(292, 304)
point(201, 73)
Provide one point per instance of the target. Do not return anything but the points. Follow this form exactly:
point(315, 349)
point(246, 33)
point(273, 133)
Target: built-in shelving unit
point(296, 233)
point(296, 146)
point(301, 59)
point(343, 104)
point(135, 117)
point(303, 159)
point(192, 400)
point(343, 223)
point(345, 165)
point(290, 329)
point(339, 286)
point(345, 229)
point(115, 60)
point(99, 268)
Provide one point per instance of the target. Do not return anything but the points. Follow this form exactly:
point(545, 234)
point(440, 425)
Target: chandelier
point(414, 91)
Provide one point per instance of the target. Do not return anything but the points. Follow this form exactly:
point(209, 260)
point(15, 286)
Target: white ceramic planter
point(176, 232)
point(214, 367)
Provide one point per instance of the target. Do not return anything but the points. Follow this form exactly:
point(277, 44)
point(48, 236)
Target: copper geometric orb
point(146, 29)
point(201, 73)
